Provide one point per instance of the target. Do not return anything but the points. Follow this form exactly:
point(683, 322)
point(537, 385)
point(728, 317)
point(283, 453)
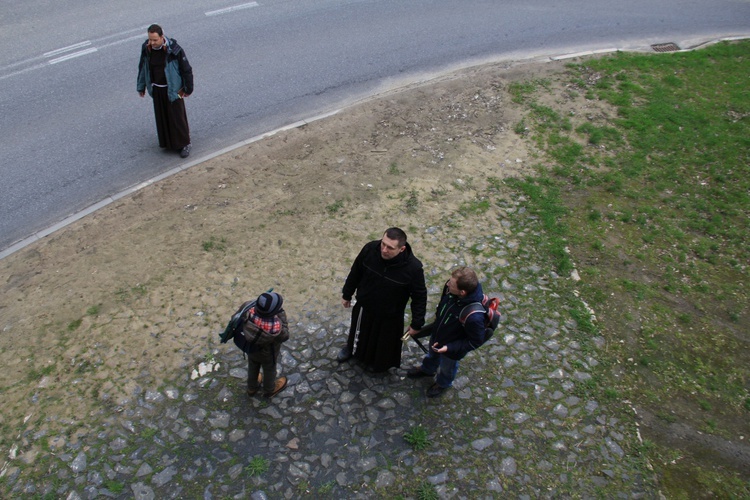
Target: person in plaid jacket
point(265, 329)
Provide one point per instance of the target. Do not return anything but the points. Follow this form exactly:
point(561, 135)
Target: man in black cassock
point(385, 275)
point(165, 73)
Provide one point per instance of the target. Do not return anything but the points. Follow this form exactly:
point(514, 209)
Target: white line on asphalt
point(73, 55)
point(53, 53)
point(56, 52)
point(21, 71)
point(231, 9)
point(21, 63)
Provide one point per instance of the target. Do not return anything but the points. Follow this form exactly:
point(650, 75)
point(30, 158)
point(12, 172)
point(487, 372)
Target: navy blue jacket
point(448, 330)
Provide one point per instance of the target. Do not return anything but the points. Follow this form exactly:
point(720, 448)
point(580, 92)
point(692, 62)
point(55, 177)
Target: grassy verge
point(650, 196)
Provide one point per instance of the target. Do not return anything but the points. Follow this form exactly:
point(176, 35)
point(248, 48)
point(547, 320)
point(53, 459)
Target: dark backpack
point(488, 307)
point(234, 328)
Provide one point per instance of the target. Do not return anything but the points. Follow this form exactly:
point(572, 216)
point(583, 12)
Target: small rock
point(508, 466)
point(78, 465)
point(142, 492)
point(481, 444)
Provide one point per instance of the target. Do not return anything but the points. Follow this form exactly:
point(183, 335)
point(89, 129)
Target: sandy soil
point(136, 292)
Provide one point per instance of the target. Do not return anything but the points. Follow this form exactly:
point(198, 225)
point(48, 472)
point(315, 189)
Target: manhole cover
point(665, 47)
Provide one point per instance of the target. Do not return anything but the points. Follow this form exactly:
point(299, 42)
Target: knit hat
point(268, 304)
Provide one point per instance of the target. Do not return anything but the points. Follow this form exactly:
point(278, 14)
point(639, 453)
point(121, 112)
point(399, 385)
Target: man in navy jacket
point(450, 340)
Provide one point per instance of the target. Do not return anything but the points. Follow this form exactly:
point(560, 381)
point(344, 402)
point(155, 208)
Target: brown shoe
point(253, 392)
point(280, 385)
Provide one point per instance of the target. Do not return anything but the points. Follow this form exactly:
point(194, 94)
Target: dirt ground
point(136, 293)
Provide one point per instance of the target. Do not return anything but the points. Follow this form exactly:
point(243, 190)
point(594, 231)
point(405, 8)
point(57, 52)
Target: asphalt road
point(73, 130)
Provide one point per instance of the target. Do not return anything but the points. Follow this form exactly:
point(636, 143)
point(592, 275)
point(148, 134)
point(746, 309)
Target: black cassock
point(383, 289)
point(171, 117)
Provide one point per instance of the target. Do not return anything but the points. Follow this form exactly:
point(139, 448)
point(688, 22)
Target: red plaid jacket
point(269, 325)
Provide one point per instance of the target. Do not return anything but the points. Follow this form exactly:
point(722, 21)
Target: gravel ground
point(517, 422)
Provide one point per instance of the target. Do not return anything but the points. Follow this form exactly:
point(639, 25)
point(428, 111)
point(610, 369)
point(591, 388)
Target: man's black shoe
point(344, 354)
point(435, 391)
point(416, 372)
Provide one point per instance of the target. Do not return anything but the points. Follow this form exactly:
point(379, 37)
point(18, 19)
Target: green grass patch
point(544, 196)
point(411, 201)
point(417, 437)
point(335, 207)
point(522, 91)
point(657, 193)
point(115, 487)
point(258, 466)
point(73, 325)
point(214, 244)
point(326, 488)
point(475, 207)
point(148, 433)
point(426, 491)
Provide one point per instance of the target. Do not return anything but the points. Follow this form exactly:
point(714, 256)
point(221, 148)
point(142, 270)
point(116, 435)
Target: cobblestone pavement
point(519, 422)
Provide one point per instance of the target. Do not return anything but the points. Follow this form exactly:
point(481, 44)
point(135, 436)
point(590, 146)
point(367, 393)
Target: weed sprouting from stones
point(417, 438)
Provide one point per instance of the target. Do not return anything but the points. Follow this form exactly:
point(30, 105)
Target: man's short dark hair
point(155, 28)
point(397, 234)
point(466, 279)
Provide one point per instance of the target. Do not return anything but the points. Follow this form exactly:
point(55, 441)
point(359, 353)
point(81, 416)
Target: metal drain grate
point(665, 47)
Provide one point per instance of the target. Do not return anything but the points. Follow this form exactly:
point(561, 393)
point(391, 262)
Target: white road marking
point(51, 55)
point(21, 63)
point(73, 55)
point(21, 71)
point(231, 9)
point(54, 53)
